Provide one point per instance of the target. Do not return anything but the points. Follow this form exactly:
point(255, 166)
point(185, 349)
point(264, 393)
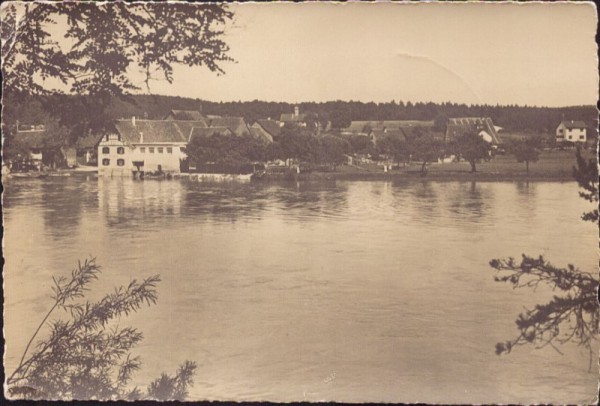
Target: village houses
point(142, 145)
point(571, 131)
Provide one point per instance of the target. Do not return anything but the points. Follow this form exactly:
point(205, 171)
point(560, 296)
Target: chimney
point(296, 111)
point(141, 137)
point(133, 121)
point(145, 115)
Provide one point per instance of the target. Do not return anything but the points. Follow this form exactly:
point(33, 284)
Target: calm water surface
point(348, 291)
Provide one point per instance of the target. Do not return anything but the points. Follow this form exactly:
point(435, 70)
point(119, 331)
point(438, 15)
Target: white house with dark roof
point(143, 145)
point(571, 131)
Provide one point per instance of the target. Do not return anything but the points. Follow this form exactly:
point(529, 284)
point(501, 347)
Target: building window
point(143, 150)
point(183, 149)
point(120, 162)
point(105, 150)
point(106, 162)
point(160, 150)
point(582, 137)
point(120, 150)
point(169, 150)
point(151, 150)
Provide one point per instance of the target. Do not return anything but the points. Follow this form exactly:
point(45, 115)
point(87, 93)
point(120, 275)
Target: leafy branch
point(88, 355)
point(570, 317)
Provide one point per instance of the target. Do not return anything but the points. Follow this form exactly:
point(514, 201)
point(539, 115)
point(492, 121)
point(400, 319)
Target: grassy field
point(552, 165)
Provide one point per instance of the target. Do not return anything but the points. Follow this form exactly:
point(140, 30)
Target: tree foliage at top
point(77, 59)
point(90, 47)
point(572, 316)
point(87, 355)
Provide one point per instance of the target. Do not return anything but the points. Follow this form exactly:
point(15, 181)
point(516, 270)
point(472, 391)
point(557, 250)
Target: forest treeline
point(340, 113)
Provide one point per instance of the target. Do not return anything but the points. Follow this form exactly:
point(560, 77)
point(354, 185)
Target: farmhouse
point(571, 131)
point(482, 126)
point(143, 145)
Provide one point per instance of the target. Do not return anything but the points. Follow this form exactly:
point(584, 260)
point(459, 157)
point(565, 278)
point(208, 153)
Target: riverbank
point(552, 166)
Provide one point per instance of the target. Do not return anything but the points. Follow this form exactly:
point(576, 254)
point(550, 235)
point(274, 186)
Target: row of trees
point(294, 144)
point(300, 145)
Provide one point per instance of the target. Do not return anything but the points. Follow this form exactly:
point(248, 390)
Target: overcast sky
point(534, 54)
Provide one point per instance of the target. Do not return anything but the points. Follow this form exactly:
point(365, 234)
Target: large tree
point(527, 150)
point(91, 50)
point(426, 149)
point(472, 148)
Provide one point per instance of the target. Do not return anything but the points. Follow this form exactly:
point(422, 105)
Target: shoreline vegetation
point(553, 166)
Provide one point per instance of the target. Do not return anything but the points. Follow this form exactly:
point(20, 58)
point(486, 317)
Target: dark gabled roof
point(259, 133)
point(270, 126)
point(358, 126)
point(154, 131)
point(237, 125)
point(287, 117)
point(89, 141)
point(463, 125)
point(184, 115)
point(209, 132)
point(570, 124)
point(185, 126)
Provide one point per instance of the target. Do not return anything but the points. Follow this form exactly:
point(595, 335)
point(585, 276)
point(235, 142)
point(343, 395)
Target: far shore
point(556, 166)
point(552, 166)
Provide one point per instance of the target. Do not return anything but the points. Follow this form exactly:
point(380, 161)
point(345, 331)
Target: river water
point(347, 291)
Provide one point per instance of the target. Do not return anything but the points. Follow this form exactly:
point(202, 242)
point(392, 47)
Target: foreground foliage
point(87, 355)
point(572, 316)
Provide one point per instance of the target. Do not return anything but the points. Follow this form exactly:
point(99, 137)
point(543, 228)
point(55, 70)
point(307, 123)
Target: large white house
point(572, 131)
point(144, 145)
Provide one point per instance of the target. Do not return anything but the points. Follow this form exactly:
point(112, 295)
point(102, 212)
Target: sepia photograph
point(376, 202)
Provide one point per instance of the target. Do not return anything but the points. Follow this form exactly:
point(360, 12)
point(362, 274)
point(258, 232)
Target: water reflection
point(386, 283)
point(469, 201)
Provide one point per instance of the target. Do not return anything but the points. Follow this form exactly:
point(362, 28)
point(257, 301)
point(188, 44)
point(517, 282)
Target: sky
point(525, 54)
point(475, 53)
